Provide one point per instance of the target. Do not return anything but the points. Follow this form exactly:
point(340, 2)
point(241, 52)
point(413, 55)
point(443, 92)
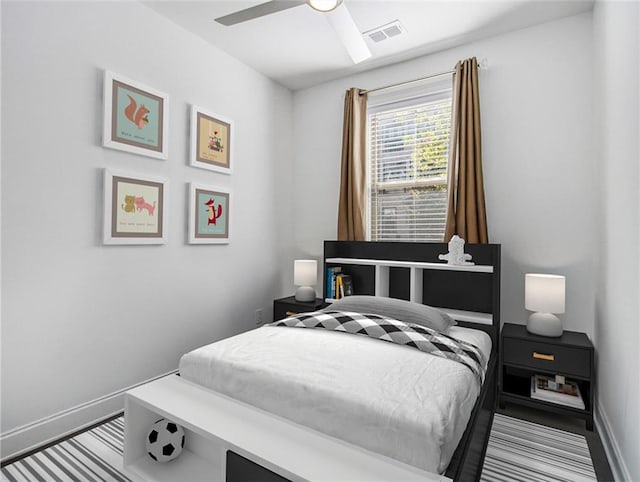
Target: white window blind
point(409, 148)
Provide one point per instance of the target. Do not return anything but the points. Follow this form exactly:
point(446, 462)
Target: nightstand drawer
point(285, 307)
point(547, 357)
point(284, 311)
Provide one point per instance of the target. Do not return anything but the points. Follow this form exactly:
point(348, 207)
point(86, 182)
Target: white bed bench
point(215, 423)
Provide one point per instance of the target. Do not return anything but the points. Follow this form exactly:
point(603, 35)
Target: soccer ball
point(165, 440)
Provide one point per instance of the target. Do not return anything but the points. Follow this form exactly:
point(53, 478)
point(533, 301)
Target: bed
point(423, 409)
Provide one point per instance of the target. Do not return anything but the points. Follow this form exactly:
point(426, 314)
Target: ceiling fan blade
point(258, 11)
point(349, 34)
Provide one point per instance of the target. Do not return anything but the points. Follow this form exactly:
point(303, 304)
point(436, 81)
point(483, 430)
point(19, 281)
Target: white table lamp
point(544, 294)
point(304, 276)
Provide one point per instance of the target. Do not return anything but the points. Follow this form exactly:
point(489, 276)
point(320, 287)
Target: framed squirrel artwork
point(136, 117)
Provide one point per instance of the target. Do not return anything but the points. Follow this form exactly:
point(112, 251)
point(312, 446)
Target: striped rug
point(518, 451)
point(521, 451)
point(95, 455)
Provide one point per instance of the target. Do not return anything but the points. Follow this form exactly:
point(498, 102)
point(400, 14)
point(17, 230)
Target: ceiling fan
point(338, 16)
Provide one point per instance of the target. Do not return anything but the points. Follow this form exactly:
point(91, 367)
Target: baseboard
point(611, 447)
point(36, 434)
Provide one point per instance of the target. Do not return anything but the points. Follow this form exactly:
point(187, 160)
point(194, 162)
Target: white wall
point(536, 105)
point(81, 320)
point(617, 70)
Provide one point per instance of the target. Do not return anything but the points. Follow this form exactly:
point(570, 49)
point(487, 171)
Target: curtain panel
point(466, 211)
point(351, 205)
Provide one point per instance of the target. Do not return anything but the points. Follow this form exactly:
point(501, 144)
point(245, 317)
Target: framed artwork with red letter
point(209, 214)
point(136, 117)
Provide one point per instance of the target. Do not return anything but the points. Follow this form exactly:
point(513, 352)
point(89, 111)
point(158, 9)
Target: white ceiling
point(299, 48)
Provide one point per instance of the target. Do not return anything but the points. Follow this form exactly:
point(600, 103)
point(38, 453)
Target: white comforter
point(390, 399)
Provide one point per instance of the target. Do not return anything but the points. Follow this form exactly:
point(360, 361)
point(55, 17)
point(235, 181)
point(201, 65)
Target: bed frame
point(226, 438)
point(412, 271)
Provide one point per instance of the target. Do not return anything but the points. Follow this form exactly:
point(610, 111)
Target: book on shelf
point(339, 291)
point(339, 284)
point(344, 286)
point(332, 272)
point(547, 389)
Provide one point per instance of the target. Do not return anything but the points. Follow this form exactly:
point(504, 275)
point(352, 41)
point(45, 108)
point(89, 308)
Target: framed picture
point(134, 209)
point(136, 117)
point(211, 141)
point(209, 215)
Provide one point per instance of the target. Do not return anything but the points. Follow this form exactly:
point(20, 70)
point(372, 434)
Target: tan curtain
point(466, 212)
point(351, 206)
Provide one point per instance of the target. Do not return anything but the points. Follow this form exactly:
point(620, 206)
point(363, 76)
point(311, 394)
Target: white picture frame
point(210, 214)
point(135, 117)
point(135, 208)
point(211, 143)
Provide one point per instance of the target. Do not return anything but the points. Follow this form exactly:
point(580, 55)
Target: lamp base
point(305, 293)
point(544, 324)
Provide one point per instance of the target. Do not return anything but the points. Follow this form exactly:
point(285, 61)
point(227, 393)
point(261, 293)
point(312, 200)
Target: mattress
point(390, 399)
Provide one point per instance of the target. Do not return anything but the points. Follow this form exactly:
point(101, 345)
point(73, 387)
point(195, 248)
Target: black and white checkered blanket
point(394, 331)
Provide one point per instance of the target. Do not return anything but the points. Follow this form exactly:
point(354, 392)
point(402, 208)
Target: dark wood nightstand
point(288, 306)
point(523, 355)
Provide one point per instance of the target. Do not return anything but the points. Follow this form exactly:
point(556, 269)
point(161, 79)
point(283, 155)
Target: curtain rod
point(406, 82)
point(482, 65)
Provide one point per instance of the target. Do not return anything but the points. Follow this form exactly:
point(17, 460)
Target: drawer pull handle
point(291, 313)
point(542, 356)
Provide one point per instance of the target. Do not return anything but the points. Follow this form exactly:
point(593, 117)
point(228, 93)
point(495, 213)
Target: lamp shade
point(544, 293)
point(304, 272)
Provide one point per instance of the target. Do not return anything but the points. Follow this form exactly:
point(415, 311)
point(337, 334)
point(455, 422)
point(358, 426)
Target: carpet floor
point(517, 451)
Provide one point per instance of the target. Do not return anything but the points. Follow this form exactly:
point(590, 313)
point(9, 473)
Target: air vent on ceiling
point(384, 32)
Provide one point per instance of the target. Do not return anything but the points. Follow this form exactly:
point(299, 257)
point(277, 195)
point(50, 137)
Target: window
point(408, 156)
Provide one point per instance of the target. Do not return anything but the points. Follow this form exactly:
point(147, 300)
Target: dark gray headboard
point(471, 296)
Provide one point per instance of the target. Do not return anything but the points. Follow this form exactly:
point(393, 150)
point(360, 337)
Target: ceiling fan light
point(324, 5)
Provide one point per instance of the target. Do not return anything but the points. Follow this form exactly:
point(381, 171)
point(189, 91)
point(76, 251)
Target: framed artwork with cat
point(211, 141)
point(136, 117)
point(209, 214)
point(134, 209)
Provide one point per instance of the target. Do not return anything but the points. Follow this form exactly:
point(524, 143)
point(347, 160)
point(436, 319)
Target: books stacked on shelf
point(331, 281)
point(547, 389)
point(339, 284)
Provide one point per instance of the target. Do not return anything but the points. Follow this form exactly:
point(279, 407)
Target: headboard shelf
point(412, 271)
point(470, 316)
point(472, 268)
